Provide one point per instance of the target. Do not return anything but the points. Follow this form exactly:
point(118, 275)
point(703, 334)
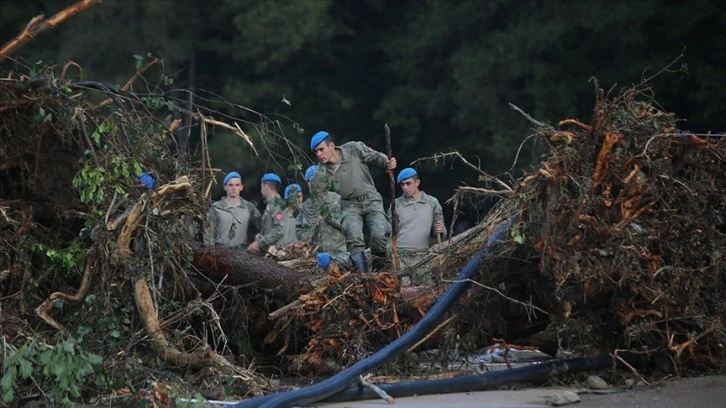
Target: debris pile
point(621, 245)
point(344, 317)
point(622, 242)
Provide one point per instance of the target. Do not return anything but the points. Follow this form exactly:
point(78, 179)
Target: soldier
point(320, 223)
point(229, 219)
point(419, 219)
point(344, 170)
point(293, 200)
point(273, 219)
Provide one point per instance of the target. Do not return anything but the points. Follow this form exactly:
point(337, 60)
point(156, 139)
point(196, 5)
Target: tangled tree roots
point(623, 240)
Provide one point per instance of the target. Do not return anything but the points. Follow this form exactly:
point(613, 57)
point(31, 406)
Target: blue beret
point(288, 190)
point(323, 259)
point(310, 172)
point(317, 139)
point(271, 177)
point(230, 176)
point(406, 173)
point(147, 181)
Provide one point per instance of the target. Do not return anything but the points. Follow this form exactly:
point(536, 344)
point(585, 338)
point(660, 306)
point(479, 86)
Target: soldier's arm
point(210, 226)
point(335, 209)
point(255, 218)
point(308, 219)
point(438, 216)
point(369, 155)
point(276, 232)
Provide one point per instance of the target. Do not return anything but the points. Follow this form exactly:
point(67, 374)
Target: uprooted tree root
point(86, 252)
point(622, 242)
point(620, 247)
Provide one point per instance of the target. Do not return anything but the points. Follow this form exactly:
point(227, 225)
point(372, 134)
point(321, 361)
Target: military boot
point(379, 261)
point(359, 261)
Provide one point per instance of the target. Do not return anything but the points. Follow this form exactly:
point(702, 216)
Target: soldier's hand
point(391, 163)
point(253, 248)
point(440, 227)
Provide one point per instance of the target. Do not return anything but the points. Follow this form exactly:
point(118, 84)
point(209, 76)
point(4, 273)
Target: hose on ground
point(475, 382)
point(342, 380)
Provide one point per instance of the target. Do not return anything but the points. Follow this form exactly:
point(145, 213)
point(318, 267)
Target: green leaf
point(45, 357)
point(8, 380)
point(94, 359)
point(67, 346)
point(26, 369)
point(8, 395)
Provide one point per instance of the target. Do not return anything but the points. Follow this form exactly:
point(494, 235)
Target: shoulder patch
point(279, 217)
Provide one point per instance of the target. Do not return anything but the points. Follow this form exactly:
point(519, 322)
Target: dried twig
point(42, 310)
point(39, 24)
point(527, 306)
point(131, 81)
point(376, 389)
point(283, 310)
point(235, 129)
point(631, 368)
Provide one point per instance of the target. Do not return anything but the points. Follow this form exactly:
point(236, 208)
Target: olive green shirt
point(228, 225)
point(350, 177)
point(417, 221)
point(273, 223)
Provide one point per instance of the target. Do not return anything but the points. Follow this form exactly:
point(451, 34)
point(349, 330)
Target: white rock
point(564, 398)
point(597, 383)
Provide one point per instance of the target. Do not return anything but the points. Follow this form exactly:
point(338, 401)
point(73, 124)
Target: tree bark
point(239, 267)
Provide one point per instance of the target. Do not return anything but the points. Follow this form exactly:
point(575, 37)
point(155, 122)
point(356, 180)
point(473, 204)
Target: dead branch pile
point(622, 241)
point(344, 317)
point(90, 253)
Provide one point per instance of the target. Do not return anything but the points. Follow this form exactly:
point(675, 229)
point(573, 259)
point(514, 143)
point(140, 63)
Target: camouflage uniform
point(360, 201)
point(320, 223)
point(273, 224)
point(228, 225)
point(416, 226)
point(290, 227)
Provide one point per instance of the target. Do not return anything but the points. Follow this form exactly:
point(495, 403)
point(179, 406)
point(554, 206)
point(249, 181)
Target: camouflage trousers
point(366, 213)
point(418, 275)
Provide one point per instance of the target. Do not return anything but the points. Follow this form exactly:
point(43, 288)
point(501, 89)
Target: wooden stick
point(377, 390)
point(281, 311)
point(394, 216)
point(632, 369)
point(131, 81)
point(38, 24)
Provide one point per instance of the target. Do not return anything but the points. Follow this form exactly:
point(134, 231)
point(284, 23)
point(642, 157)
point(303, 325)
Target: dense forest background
point(441, 73)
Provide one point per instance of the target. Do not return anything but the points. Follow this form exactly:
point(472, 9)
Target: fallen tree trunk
point(241, 268)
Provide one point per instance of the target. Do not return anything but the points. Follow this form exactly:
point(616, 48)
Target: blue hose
point(341, 381)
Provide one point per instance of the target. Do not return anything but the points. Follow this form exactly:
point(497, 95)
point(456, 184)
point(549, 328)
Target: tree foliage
point(441, 73)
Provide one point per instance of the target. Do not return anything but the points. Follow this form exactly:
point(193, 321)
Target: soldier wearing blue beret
point(420, 220)
point(230, 219)
point(344, 170)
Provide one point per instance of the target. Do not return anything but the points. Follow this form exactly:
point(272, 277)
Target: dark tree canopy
point(440, 73)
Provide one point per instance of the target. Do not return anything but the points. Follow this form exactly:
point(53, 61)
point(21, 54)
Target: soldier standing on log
point(344, 170)
point(321, 223)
